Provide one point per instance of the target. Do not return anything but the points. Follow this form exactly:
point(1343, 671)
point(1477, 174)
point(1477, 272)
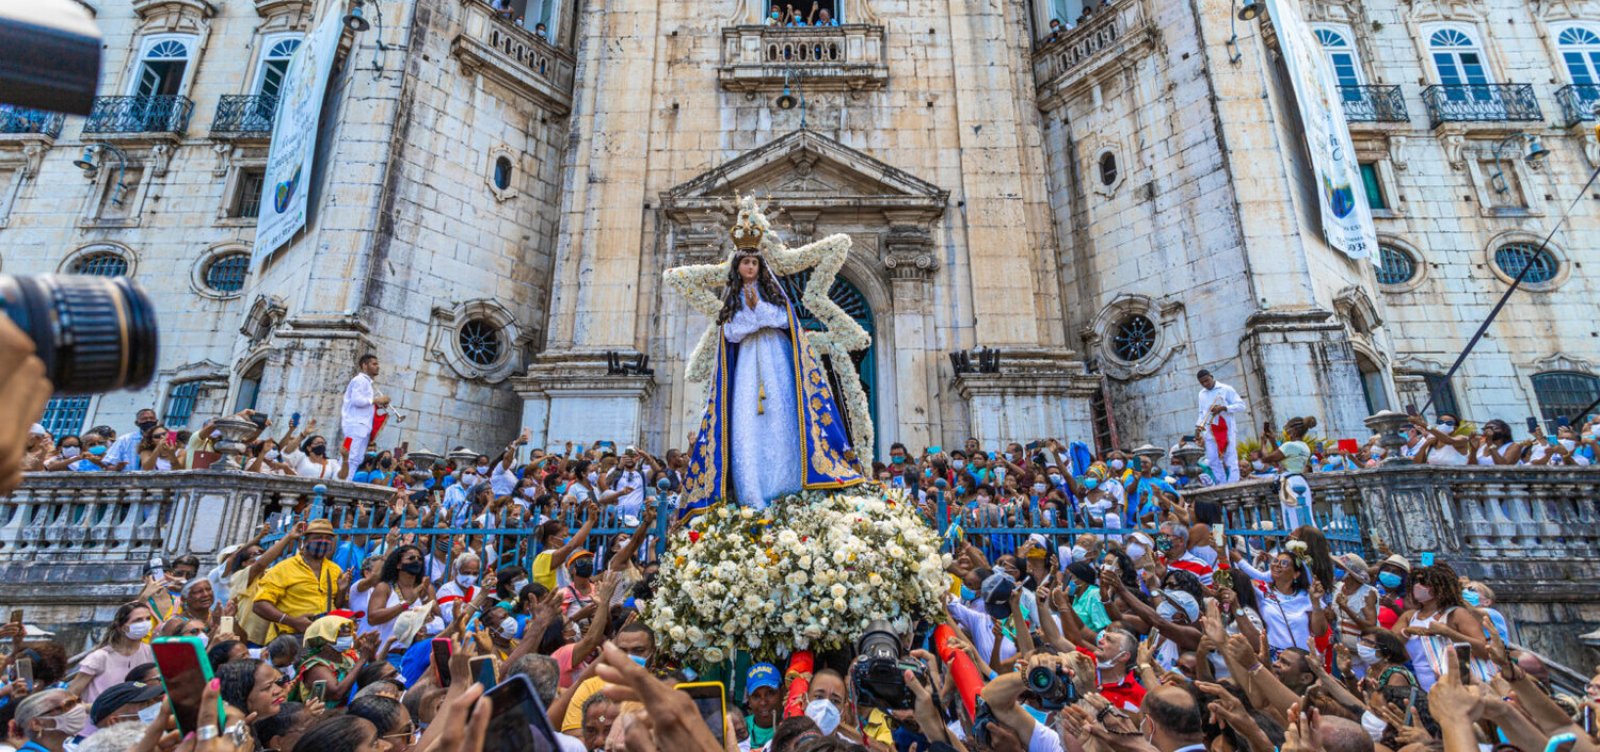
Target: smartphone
point(346, 444)
point(172, 438)
point(294, 420)
point(1427, 558)
point(1464, 661)
point(441, 661)
point(1561, 742)
point(260, 419)
point(1533, 426)
point(1411, 409)
point(483, 670)
point(1411, 706)
point(227, 625)
point(16, 616)
point(517, 719)
point(710, 698)
point(933, 450)
point(25, 672)
point(1552, 440)
point(185, 672)
point(319, 691)
point(1586, 719)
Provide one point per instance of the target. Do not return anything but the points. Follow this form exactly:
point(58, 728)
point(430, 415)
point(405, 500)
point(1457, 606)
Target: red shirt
point(1125, 695)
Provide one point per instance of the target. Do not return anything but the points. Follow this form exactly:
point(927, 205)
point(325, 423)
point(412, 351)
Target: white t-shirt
point(1044, 739)
point(1288, 619)
point(305, 468)
point(503, 481)
point(978, 624)
point(631, 502)
point(569, 743)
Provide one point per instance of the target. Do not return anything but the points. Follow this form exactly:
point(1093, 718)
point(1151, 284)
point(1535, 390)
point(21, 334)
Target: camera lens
point(94, 334)
point(1041, 679)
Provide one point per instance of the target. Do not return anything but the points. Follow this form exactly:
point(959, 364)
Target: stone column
point(1037, 393)
point(908, 255)
point(1301, 363)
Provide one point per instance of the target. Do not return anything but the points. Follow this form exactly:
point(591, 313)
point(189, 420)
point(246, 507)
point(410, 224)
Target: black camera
point(1053, 687)
point(94, 334)
point(879, 674)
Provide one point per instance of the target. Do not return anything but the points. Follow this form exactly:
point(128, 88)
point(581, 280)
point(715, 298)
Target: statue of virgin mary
point(771, 426)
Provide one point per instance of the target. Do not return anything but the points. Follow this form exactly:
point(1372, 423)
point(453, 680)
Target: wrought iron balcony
point(1374, 104)
point(850, 57)
point(140, 114)
point(245, 115)
point(1578, 102)
point(18, 120)
point(1458, 103)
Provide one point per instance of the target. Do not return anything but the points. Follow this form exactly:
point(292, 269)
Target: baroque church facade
point(1052, 231)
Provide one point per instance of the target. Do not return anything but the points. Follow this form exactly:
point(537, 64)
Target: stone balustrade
point(851, 57)
point(501, 50)
point(1531, 533)
point(73, 546)
point(1113, 30)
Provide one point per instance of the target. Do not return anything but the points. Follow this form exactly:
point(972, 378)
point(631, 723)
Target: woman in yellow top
point(333, 656)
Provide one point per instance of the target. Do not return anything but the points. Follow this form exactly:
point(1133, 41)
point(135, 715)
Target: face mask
point(1108, 664)
point(825, 714)
point(561, 488)
point(775, 16)
point(1135, 551)
point(1422, 593)
point(583, 568)
point(1378, 451)
point(1038, 715)
point(1338, 574)
point(72, 721)
point(1091, 483)
point(1166, 611)
point(508, 628)
point(1568, 443)
point(204, 639)
point(98, 451)
point(529, 492)
point(483, 469)
point(137, 630)
point(1446, 427)
point(148, 715)
point(1389, 580)
point(1367, 653)
point(983, 499)
point(1055, 479)
point(318, 549)
point(319, 450)
point(386, 464)
point(1079, 553)
point(1258, 464)
point(1374, 725)
point(145, 425)
point(71, 451)
point(593, 478)
point(519, 585)
point(466, 580)
point(1117, 464)
point(1471, 597)
point(641, 660)
point(275, 456)
point(345, 642)
point(1039, 488)
point(967, 594)
point(412, 567)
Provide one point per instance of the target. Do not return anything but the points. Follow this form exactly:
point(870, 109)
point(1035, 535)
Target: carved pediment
point(804, 170)
point(1563, 362)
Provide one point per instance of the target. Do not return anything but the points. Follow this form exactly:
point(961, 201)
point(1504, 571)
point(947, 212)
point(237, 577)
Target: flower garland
point(808, 573)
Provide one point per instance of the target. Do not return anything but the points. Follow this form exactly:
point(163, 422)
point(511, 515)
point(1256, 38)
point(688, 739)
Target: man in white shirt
point(124, 452)
point(504, 475)
point(627, 479)
point(361, 403)
point(1216, 427)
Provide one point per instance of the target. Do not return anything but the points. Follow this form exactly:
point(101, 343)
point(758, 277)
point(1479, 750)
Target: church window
point(502, 172)
point(227, 271)
point(1395, 267)
point(1134, 338)
point(1512, 257)
point(481, 342)
point(1563, 393)
point(1108, 169)
point(106, 263)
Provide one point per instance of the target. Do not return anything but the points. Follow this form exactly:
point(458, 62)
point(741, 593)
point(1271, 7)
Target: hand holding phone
point(25, 672)
point(710, 698)
point(517, 719)
point(185, 672)
point(482, 667)
point(442, 648)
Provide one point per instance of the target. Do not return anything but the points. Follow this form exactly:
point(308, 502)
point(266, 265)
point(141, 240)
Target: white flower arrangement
point(808, 573)
point(841, 334)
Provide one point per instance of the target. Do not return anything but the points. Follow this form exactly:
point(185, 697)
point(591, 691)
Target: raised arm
point(626, 553)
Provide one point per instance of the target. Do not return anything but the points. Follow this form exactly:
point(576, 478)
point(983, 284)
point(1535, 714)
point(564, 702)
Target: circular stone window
point(1395, 267)
point(502, 173)
point(1108, 169)
point(227, 271)
point(102, 264)
point(480, 342)
point(1512, 258)
point(1133, 338)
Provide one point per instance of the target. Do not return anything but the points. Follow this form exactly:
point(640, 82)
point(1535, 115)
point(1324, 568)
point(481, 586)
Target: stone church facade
point(1103, 212)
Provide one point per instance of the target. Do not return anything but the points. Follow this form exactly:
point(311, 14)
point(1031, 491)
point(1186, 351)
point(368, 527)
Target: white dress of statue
point(766, 460)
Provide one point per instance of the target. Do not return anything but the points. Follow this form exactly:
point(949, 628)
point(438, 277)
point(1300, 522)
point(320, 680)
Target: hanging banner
point(294, 140)
point(1346, 217)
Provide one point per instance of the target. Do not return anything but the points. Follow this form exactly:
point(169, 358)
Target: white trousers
point(358, 448)
point(1225, 468)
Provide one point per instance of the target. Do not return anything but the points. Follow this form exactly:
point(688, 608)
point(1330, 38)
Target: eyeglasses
point(283, 681)
point(405, 733)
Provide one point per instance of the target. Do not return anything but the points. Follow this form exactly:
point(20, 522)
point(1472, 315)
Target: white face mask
point(983, 499)
point(508, 628)
point(1039, 488)
point(149, 715)
point(137, 630)
point(1568, 443)
point(1117, 464)
point(593, 477)
point(1258, 464)
point(344, 643)
point(1108, 664)
point(72, 721)
point(71, 451)
point(530, 491)
point(1373, 725)
point(466, 580)
point(825, 714)
point(1055, 478)
point(518, 585)
point(1079, 553)
point(1166, 610)
point(1135, 551)
point(1367, 653)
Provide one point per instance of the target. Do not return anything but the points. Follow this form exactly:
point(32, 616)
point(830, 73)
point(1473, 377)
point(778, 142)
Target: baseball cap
point(762, 675)
point(1183, 601)
point(37, 429)
point(996, 592)
point(122, 694)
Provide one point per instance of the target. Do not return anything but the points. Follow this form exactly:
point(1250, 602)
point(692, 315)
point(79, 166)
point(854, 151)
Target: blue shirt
point(125, 449)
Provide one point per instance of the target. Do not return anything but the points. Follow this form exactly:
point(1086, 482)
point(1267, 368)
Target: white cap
point(37, 429)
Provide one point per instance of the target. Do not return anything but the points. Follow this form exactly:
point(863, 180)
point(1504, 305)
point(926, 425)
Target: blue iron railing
point(19, 120)
point(1453, 103)
point(1578, 102)
point(140, 114)
point(1374, 104)
point(245, 114)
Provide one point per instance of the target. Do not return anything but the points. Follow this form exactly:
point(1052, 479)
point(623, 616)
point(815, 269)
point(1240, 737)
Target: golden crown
point(746, 235)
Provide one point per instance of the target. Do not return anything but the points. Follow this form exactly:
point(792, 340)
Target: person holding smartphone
point(159, 450)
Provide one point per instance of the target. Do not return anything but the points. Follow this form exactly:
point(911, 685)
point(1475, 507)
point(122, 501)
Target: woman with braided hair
point(1295, 458)
point(1437, 623)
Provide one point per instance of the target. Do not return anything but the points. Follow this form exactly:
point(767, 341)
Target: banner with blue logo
point(294, 139)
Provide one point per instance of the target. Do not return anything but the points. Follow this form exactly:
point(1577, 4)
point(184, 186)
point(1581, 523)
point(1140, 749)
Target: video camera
point(879, 674)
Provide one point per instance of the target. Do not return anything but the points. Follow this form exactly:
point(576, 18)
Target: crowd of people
point(1154, 631)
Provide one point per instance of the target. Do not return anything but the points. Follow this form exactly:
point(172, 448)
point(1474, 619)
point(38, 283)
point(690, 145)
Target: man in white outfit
point(361, 402)
point(1216, 427)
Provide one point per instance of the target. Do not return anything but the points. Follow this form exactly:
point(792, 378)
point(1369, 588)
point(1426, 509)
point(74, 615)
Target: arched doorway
point(848, 297)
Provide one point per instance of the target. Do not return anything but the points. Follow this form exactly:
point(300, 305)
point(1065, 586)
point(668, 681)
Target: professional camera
point(879, 673)
point(1053, 686)
point(94, 334)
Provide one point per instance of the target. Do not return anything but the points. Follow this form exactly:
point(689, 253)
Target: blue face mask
point(641, 660)
point(1471, 597)
point(967, 594)
point(1090, 483)
point(1338, 574)
point(561, 488)
point(1038, 715)
point(1389, 580)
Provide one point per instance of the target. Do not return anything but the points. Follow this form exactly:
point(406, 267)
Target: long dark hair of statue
point(733, 294)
